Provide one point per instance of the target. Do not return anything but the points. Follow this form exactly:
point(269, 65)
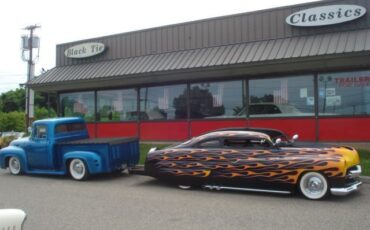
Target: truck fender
point(92, 160)
point(13, 151)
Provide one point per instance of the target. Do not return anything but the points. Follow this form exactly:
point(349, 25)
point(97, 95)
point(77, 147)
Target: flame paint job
point(268, 166)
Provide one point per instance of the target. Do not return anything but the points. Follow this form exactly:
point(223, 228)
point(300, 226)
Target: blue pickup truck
point(62, 146)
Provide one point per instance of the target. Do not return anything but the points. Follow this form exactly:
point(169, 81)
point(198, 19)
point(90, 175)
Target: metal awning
point(128, 71)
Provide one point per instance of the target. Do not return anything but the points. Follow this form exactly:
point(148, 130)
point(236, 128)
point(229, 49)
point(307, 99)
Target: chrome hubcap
point(15, 164)
point(314, 185)
point(78, 167)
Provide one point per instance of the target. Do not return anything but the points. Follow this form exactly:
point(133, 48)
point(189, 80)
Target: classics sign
point(326, 15)
point(85, 50)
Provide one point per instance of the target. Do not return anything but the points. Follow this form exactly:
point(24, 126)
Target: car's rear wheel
point(314, 185)
point(184, 187)
point(78, 169)
point(15, 166)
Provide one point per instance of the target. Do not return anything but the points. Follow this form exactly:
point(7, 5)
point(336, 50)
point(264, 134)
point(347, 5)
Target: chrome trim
point(211, 187)
point(152, 150)
point(356, 172)
point(346, 190)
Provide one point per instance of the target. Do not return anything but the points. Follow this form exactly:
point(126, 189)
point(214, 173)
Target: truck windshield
point(72, 127)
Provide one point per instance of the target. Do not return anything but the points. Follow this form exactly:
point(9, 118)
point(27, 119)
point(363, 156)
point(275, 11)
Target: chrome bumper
point(356, 172)
point(345, 191)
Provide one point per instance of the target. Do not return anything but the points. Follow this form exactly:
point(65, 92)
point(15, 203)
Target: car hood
point(349, 154)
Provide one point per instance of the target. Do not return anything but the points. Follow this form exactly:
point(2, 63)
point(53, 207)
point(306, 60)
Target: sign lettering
point(326, 15)
point(85, 50)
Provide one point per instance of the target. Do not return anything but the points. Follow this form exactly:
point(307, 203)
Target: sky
point(73, 20)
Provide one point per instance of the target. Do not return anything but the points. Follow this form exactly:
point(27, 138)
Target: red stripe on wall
point(124, 129)
point(344, 129)
point(91, 129)
point(304, 127)
point(330, 129)
point(200, 127)
point(169, 131)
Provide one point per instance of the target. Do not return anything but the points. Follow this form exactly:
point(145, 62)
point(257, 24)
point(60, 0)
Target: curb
point(365, 179)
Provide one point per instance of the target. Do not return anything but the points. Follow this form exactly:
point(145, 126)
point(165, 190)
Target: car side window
point(215, 143)
point(41, 132)
point(246, 143)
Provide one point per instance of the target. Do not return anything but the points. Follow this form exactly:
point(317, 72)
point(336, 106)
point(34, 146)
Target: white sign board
point(326, 15)
point(85, 50)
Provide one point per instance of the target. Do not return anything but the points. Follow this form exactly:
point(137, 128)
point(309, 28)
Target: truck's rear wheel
point(78, 169)
point(15, 166)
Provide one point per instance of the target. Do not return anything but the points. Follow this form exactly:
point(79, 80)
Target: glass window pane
point(79, 104)
point(293, 96)
point(117, 105)
point(163, 103)
point(217, 100)
point(41, 132)
point(344, 93)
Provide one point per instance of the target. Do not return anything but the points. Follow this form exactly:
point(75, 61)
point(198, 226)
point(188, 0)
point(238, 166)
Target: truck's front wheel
point(78, 169)
point(15, 167)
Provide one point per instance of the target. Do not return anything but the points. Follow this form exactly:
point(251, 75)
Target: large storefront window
point(117, 105)
point(79, 104)
point(163, 103)
point(288, 97)
point(217, 100)
point(344, 93)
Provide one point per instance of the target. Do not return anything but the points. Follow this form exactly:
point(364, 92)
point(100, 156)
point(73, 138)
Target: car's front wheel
point(15, 166)
point(314, 185)
point(78, 169)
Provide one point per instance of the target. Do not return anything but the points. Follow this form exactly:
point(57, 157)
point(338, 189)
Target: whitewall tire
point(314, 185)
point(78, 169)
point(184, 187)
point(15, 166)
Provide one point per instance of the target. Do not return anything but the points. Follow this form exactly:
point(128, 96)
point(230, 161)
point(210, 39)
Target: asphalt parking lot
point(122, 201)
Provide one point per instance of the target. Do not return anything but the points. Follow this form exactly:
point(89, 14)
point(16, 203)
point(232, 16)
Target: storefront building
point(302, 69)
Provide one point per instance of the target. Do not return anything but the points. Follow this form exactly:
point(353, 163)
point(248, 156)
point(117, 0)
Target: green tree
point(12, 121)
point(13, 100)
point(12, 107)
point(42, 112)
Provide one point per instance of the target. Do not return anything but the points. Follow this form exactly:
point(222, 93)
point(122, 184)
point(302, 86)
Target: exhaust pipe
point(218, 188)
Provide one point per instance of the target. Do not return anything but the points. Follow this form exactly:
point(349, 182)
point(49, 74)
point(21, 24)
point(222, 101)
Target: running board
point(212, 187)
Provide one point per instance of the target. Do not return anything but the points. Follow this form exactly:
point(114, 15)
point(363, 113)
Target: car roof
point(232, 133)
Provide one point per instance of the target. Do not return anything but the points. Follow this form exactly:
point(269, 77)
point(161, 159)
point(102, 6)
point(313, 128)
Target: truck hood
point(19, 142)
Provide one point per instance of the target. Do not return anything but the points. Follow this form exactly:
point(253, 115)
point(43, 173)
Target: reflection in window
point(163, 103)
point(216, 100)
point(247, 143)
point(210, 144)
point(117, 105)
point(293, 96)
point(344, 93)
point(79, 104)
point(41, 131)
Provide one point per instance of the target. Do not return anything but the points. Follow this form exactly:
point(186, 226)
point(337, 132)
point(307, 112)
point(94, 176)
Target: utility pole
point(29, 43)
